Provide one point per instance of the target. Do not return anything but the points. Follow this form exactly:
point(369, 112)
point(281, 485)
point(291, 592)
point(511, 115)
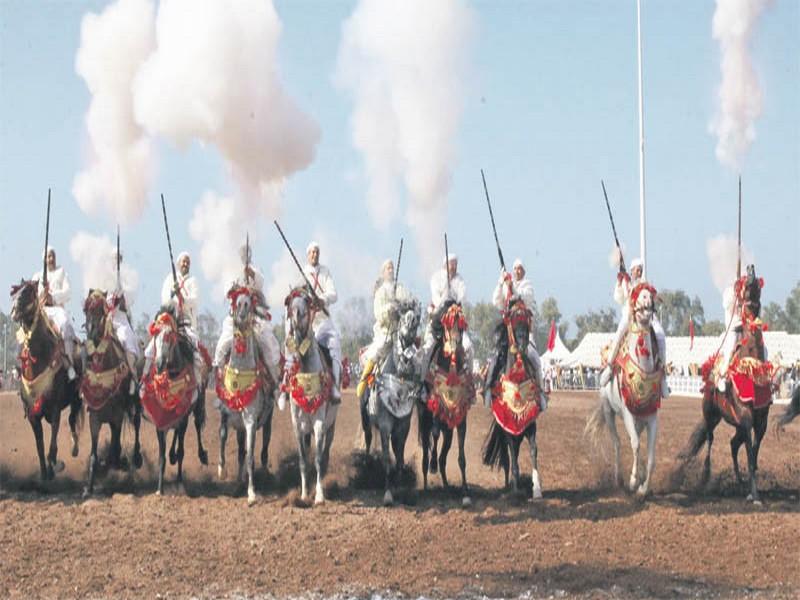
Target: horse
point(105, 387)
point(309, 382)
point(792, 409)
point(747, 398)
point(245, 391)
point(45, 388)
point(515, 398)
point(634, 390)
point(450, 395)
point(387, 404)
point(171, 384)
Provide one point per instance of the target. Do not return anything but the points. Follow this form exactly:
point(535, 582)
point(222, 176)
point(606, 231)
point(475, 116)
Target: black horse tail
point(792, 410)
point(696, 441)
point(495, 448)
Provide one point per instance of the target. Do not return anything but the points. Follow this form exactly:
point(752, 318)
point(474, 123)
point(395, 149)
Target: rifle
point(119, 287)
point(247, 259)
point(397, 270)
point(447, 264)
point(614, 229)
point(171, 259)
point(739, 243)
point(303, 273)
point(491, 216)
point(46, 242)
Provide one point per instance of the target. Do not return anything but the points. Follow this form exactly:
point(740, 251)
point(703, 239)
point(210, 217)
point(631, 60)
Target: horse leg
point(399, 437)
point(751, 465)
point(760, 421)
point(250, 427)
point(611, 422)
point(74, 418)
point(241, 455)
point(512, 443)
point(94, 428)
point(736, 442)
point(117, 460)
point(434, 460)
point(387, 464)
point(38, 434)
point(447, 440)
point(633, 432)
point(462, 462)
point(535, 480)
point(266, 435)
point(365, 422)
point(302, 451)
point(326, 449)
point(137, 447)
point(424, 434)
point(173, 453)
point(162, 459)
point(319, 443)
point(199, 422)
point(181, 437)
point(223, 437)
point(652, 436)
point(53, 464)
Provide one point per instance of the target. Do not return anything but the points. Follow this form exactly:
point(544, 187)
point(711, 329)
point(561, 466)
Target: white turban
point(388, 262)
point(312, 246)
point(517, 263)
point(46, 252)
point(637, 262)
point(181, 256)
point(451, 256)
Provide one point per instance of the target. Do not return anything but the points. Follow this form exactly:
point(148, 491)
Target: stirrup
point(71, 374)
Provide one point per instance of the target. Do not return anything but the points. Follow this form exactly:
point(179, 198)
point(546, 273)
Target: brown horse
point(105, 388)
point(45, 389)
point(747, 397)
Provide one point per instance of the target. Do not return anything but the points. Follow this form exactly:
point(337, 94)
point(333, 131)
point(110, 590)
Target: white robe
point(441, 291)
point(385, 298)
point(58, 285)
point(522, 288)
point(189, 292)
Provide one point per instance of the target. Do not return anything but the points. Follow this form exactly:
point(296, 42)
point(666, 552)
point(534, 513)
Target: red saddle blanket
point(166, 401)
point(750, 393)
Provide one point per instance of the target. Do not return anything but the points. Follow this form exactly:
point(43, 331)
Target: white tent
point(558, 354)
point(587, 353)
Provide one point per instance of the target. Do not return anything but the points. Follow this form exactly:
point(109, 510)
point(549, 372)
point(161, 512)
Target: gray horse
point(245, 393)
point(309, 383)
point(387, 405)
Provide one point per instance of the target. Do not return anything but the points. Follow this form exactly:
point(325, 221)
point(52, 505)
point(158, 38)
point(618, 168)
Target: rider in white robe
point(187, 288)
point(440, 292)
point(251, 278)
point(518, 285)
point(384, 308)
point(622, 291)
point(58, 294)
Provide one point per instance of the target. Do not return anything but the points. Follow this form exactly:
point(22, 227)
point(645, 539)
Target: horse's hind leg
point(513, 443)
point(434, 458)
point(751, 465)
point(387, 466)
point(38, 434)
point(94, 429)
point(266, 435)
point(137, 423)
point(199, 422)
point(712, 419)
point(181, 434)
point(117, 460)
point(462, 462)
point(326, 451)
point(162, 459)
point(53, 464)
point(365, 424)
point(241, 445)
point(611, 422)
point(652, 436)
point(250, 428)
point(536, 482)
point(447, 440)
point(425, 439)
point(223, 437)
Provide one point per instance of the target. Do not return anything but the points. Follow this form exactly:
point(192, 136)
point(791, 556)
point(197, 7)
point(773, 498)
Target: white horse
point(243, 401)
point(634, 391)
point(309, 381)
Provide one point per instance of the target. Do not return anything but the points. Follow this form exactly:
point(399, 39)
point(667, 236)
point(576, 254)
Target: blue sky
point(550, 109)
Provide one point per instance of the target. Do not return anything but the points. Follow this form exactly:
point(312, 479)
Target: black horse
point(45, 388)
point(514, 391)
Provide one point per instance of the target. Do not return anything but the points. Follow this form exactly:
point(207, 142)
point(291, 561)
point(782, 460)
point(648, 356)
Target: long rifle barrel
point(397, 269)
point(169, 246)
point(447, 263)
point(613, 228)
point(247, 259)
point(46, 243)
point(739, 242)
point(491, 216)
point(118, 283)
point(299, 268)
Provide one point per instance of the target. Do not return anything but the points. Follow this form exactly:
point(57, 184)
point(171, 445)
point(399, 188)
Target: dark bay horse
point(451, 393)
point(105, 387)
point(515, 398)
point(45, 389)
point(171, 384)
point(747, 397)
point(388, 403)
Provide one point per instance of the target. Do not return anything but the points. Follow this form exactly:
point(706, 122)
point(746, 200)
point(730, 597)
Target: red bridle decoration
point(162, 322)
point(640, 287)
point(453, 317)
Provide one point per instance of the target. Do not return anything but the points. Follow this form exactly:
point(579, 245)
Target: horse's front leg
point(181, 433)
point(162, 459)
point(319, 443)
point(736, 442)
point(387, 465)
point(512, 443)
point(652, 436)
point(611, 421)
point(535, 480)
point(199, 422)
point(223, 438)
point(53, 464)
point(38, 434)
point(94, 428)
point(751, 466)
point(633, 433)
point(250, 429)
point(266, 435)
point(137, 423)
point(302, 451)
point(447, 441)
point(462, 462)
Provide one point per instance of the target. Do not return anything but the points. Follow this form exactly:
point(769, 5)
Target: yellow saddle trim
point(453, 396)
point(310, 382)
point(518, 398)
point(236, 380)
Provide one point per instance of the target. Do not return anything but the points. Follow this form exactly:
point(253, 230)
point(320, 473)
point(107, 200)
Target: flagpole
point(642, 220)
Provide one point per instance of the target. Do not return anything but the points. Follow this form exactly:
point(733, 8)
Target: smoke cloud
point(96, 256)
point(214, 79)
point(722, 252)
point(404, 64)
point(739, 95)
point(121, 165)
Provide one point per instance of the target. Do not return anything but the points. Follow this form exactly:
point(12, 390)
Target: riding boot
point(68, 350)
point(369, 366)
point(283, 397)
point(336, 393)
point(131, 360)
point(665, 391)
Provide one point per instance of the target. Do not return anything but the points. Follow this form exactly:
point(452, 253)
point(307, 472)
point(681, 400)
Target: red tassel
point(551, 339)
point(691, 334)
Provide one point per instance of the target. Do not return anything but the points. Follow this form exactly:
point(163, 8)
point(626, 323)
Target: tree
point(482, 319)
point(208, 329)
point(774, 315)
point(675, 309)
point(713, 327)
point(354, 321)
point(604, 320)
point(793, 310)
point(548, 314)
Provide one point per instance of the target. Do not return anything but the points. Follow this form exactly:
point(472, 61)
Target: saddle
point(641, 391)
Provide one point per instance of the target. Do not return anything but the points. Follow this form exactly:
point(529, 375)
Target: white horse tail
point(792, 410)
point(597, 422)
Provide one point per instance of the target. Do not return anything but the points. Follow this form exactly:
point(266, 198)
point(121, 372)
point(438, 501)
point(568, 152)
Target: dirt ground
point(584, 539)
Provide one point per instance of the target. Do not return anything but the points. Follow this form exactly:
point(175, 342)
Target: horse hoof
point(387, 498)
point(537, 494)
point(137, 460)
point(74, 450)
point(158, 493)
point(221, 472)
point(251, 498)
point(173, 457)
point(319, 498)
point(86, 493)
point(58, 466)
point(466, 502)
point(203, 456)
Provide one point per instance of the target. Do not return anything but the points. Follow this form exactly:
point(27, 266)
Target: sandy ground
point(584, 539)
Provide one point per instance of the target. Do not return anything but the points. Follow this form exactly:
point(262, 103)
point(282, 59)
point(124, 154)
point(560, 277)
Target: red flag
point(551, 339)
point(691, 333)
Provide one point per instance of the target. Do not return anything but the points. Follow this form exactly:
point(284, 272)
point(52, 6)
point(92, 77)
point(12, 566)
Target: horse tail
point(792, 410)
point(696, 441)
point(495, 447)
point(597, 421)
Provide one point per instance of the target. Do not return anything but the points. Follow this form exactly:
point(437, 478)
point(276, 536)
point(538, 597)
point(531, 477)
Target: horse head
point(748, 290)
point(299, 313)
point(409, 322)
point(454, 324)
point(242, 307)
point(24, 302)
point(165, 331)
point(643, 305)
point(519, 318)
point(95, 309)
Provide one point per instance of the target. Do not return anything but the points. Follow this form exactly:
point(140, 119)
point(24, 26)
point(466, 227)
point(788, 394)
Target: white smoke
point(740, 97)
point(616, 256)
point(97, 257)
point(113, 46)
point(404, 63)
point(722, 252)
point(214, 79)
